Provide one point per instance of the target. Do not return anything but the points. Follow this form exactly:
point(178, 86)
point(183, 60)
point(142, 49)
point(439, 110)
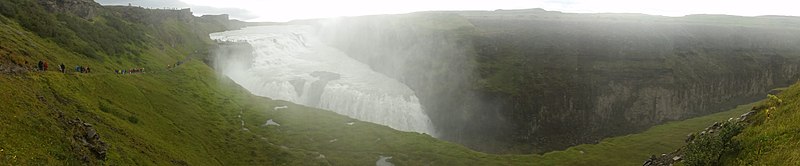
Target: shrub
point(706, 149)
point(133, 119)
point(105, 108)
point(774, 101)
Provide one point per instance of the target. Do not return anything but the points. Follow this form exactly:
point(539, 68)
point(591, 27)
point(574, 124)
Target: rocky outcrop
point(317, 87)
point(528, 82)
point(85, 9)
point(86, 141)
point(152, 16)
point(88, 137)
point(224, 19)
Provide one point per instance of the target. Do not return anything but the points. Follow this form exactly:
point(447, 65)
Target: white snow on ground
point(382, 161)
point(351, 123)
point(271, 122)
point(333, 140)
point(281, 107)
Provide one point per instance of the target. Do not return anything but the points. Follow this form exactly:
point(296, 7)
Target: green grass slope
point(773, 138)
point(190, 115)
point(766, 135)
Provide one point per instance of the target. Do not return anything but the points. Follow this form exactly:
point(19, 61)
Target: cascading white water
point(290, 63)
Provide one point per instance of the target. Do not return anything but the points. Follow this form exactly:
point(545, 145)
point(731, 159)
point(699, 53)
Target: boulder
point(690, 137)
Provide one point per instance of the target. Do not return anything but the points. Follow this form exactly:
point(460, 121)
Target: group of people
point(44, 66)
point(130, 71)
point(83, 69)
point(174, 65)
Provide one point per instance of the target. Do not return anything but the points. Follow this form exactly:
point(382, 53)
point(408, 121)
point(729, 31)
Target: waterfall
point(290, 63)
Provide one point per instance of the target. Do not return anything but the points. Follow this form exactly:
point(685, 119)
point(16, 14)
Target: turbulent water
point(290, 63)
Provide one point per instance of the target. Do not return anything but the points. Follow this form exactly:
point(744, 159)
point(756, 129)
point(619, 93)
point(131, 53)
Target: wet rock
point(325, 75)
point(775, 91)
point(299, 85)
point(744, 116)
point(87, 136)
point(90, 133)
point(690, 137)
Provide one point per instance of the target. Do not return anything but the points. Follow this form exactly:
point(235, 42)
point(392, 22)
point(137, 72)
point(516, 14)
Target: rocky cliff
point(85, 9)
point(533, 81)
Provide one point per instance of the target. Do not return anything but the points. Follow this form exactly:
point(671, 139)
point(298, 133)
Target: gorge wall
point(531, 81)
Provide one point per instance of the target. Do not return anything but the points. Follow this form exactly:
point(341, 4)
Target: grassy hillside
point(190, 115)
point(767, 135)
point(773, 138)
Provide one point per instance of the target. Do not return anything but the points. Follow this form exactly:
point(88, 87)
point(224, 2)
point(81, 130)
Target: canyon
point(533, 81)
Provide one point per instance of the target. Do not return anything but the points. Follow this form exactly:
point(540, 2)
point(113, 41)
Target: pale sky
point(285, 10)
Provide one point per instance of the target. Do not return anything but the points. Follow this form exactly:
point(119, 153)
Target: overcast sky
point(285, 10)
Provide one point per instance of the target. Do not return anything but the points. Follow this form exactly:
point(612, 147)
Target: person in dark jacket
point(63, 68)
point(40, 66)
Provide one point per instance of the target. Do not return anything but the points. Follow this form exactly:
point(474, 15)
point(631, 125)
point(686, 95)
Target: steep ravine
point(433, 55)
point(538, 81)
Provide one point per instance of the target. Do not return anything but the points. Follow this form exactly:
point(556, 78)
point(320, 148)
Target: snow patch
point(280, 108)
point(270, 122)
point(382, 161)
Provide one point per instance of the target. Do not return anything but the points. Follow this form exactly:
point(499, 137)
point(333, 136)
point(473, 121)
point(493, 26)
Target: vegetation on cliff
point(769, 137)
point(765, 135)
point(189, 115)
point(536, 81)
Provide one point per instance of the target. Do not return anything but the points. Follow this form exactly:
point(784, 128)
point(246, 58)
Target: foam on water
point(290, 63)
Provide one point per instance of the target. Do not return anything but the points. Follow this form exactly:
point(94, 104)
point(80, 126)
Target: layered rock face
point(85, 9)
point(536, 81)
